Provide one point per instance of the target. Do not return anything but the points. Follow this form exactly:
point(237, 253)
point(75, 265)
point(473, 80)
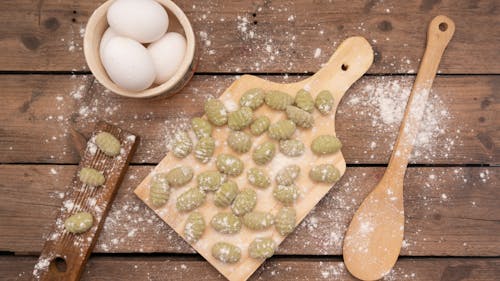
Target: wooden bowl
point(178, 22)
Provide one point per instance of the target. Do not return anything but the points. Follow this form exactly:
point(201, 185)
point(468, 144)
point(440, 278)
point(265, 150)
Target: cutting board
point(350, 61)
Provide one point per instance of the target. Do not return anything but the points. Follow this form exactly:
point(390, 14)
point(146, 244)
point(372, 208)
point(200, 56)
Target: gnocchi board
point(64, 254)
point(350, 61)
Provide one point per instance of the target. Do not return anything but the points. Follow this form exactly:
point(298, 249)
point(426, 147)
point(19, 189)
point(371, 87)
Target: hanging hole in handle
point(443, 26)
point(344, 67)
point(59, 264)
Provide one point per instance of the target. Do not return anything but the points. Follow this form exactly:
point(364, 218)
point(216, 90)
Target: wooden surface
point(451, 188)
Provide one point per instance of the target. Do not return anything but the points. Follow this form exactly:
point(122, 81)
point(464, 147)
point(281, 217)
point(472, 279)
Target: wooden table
point(452, 194)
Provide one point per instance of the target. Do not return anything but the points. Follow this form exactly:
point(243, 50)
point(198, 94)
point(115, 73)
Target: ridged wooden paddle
point(374, 237)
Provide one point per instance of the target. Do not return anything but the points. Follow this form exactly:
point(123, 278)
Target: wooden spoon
point(374, 237)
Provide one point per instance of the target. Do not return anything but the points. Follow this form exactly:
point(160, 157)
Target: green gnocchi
point(292, 148)
point(285, 220)
point(226, 223)
point(288, 174)
point(252, 98)
point(216, 112)
point(304, 100)
point(201, 127)
point(325, 173)
point(179, 176)
point(229, 164)
point(278, 100)
point(79, 222)
point(240, 119)
point(261, 248)
point(260, 125)
point(226, 252)
point(282, 130)
point(325, 144)
point(244, 202)
point(300, 117)
point(210, 180)
point(108, 143)
point(240, 142)
point(190, 200)
point(286, 194)
point(258, 220)
point(182, 144)
point(91, 177)
point(258, 178)
point(204, 149)
point(226, 194)
point(264, 153)
point(159, 190)
point(194, 227)
point(324, 102)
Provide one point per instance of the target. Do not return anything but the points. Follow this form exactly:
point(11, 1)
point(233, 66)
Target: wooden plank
point(450, 211)
point(276, 268)
point(262, 36)
point(461, 127)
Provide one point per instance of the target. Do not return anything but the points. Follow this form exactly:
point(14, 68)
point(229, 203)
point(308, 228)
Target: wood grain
point(41, 109)
point(277, 268)
point(234, 36)
point(437, 200)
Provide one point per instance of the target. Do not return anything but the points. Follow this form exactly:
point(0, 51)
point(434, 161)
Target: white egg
point(108, 34)
point(142, 20)
point(167, 54)
point(128, 64)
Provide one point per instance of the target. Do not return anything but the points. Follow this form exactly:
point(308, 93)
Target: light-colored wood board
point(281, 268)
point(40, 110)
point(450, 211)
point(283, 36)
point(349, 62)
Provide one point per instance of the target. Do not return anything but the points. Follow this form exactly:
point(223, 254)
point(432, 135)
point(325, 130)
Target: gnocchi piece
point(292, 148)
point(288, 174)
point(226, 223)
point(252, 98)
point(226, 252)
point(159, 190)
point(229, 164)
point(264, 153)
point(261, 248)
point(285, 220)
point(190, 200)
point(260, 125)
point(201, 127)
point(258, 178)
point(79, 222)
point(179, 176)
point(240, 142)
point(304, 100)
point(244, 202)
point(204, 149)
point(326, 173)
point(278, 100)
point(92, 177)
point(216, 112)
point(258, 220)
point(300, 117)
point(324, 102)
point(226, 194)
point(282, 130)
point(108, 143)
point(182, 144)
point(210, 180)
point(194, 227)
point(325, 144)
point(286, 194)
point(239, 119)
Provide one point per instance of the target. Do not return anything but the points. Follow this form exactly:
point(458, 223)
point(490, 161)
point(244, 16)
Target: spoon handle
point(440, 32)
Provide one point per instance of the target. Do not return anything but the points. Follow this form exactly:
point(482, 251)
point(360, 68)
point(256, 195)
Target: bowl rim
point(93, 59)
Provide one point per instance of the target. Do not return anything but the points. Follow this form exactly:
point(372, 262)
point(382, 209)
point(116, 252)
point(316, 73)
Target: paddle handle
point(439, 34)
